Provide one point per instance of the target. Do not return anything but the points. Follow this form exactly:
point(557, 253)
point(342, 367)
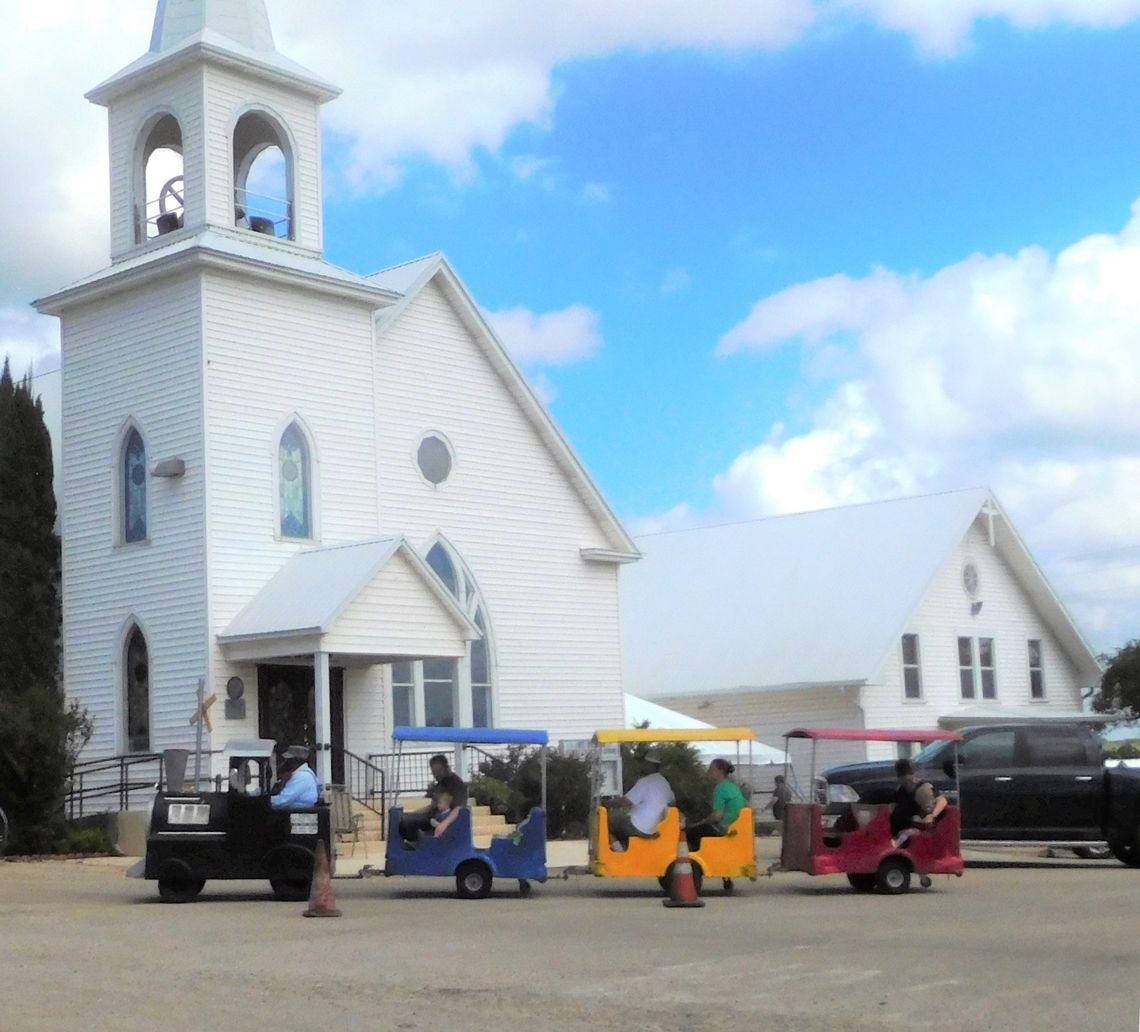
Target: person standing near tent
point(781, 796)
point(728, 801)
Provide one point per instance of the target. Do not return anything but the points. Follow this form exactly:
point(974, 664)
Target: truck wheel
point(863, 882)
point(473, 880)
point(894, 876)
point(290, 890)
point(1127, 851)
point(179, 889)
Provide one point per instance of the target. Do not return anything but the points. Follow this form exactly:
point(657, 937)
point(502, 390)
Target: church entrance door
point(286, 710)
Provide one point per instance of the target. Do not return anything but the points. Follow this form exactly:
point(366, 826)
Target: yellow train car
point(728, 856)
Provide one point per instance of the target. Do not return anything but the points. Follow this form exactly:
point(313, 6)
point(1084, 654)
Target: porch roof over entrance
point(372, 599)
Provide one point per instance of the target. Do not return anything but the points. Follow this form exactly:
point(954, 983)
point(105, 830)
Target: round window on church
point(434, 458)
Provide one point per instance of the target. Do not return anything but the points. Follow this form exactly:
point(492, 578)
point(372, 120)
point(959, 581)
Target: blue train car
point(520, 855)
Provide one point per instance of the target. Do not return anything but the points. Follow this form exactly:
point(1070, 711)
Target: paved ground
point(1049, 947)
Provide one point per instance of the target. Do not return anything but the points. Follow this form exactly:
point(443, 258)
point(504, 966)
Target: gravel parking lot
point(1050, 947)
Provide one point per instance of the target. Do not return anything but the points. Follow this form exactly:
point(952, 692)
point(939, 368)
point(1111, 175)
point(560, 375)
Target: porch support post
point(323, 715)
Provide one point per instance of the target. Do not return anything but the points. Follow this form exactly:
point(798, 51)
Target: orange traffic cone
point(322, 902)
point(682, 886)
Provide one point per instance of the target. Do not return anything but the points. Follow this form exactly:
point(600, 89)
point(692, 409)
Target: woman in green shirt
point(727, 803)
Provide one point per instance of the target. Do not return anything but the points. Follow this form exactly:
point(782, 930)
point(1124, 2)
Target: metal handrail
point(415, 769)
point(115, 789)
point(364, 781)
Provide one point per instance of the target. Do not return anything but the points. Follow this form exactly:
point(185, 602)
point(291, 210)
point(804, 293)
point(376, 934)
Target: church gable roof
point(313, 588)
point(815, 598)
point(408, 279)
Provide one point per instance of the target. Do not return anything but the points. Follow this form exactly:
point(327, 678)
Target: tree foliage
point(1119, 691)
point(512, 784)
point(39, 734)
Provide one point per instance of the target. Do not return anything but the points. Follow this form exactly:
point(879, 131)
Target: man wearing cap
point(648, 801)
point(299, 785)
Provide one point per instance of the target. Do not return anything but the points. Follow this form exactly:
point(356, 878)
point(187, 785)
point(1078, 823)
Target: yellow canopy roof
point(661, 734)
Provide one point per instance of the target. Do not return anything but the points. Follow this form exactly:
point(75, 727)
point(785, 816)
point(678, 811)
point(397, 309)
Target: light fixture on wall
point(170, 469)
point(975, 608)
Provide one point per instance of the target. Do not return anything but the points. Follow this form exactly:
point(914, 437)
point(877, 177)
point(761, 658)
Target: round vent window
point(970, 579)
point(434, 459)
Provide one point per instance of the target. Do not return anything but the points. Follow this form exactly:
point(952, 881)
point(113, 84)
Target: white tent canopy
point(640, 711)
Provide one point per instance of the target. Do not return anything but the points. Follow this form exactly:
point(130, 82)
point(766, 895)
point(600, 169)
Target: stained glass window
point(137, 682)
point(440, 561)
point(293, 463)
point(134, 488)
point(480, 677)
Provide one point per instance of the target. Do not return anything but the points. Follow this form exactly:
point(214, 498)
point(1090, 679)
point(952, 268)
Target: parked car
point(1042, 783)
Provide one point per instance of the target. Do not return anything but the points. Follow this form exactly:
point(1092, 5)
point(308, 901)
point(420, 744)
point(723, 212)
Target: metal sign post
point(198, 733)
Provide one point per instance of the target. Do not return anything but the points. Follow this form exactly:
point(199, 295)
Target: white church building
point(334, 497)
point(914, 613)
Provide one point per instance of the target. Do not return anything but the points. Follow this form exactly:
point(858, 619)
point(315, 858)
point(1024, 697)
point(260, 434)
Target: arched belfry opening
point(263, 176)
point(162, 209)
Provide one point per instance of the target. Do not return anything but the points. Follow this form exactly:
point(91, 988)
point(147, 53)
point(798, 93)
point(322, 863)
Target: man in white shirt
point(648, 800)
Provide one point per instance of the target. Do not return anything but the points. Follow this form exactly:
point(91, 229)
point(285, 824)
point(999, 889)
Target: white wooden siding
point(397, 614)
point(1007, 616)
point(228, 94)
point(271, 353)
point(182, 95)
point(771, 713)
point(133, 357)
point(511, 514)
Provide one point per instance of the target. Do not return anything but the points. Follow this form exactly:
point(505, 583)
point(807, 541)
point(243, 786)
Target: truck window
point(1055, 747)
point(989, 750)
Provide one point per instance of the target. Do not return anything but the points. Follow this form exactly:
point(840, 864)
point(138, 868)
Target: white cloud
point(543, 387)
point(1017, 371)
point(548, 338)
point(943, 28)
point(595, 193)
point(423, 79)
point(27, 340)
point(675, 279)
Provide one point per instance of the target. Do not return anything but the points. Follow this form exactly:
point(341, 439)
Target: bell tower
point(213, 130)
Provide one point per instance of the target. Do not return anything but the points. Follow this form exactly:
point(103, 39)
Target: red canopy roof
point(867, 734)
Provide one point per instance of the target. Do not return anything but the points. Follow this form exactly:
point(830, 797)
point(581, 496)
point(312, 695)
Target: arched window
point(263, 176)
point(444, 692)
point(136, 692)
point(134, 487)
point(294, 488)
point(161, 179)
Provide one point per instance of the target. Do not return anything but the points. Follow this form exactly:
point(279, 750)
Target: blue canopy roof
point(471, 735)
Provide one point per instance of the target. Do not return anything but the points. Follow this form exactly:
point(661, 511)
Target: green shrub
point(512, 784)
point(83, 838)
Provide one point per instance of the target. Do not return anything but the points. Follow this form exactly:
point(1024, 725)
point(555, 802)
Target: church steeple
point(212, 128)
point(245, 22)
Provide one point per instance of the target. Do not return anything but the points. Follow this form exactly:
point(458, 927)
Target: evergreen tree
point(29, 545)
point(38, 733)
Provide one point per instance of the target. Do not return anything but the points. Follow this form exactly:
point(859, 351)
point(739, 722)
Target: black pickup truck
point(1019, 783)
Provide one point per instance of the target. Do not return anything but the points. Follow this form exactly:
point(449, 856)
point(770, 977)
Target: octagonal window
point(434, 459)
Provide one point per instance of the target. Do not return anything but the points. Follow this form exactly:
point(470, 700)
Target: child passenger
point(445, 813)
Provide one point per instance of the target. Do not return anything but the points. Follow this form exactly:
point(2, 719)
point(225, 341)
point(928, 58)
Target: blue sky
point(751, 173)
point(757, 258)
